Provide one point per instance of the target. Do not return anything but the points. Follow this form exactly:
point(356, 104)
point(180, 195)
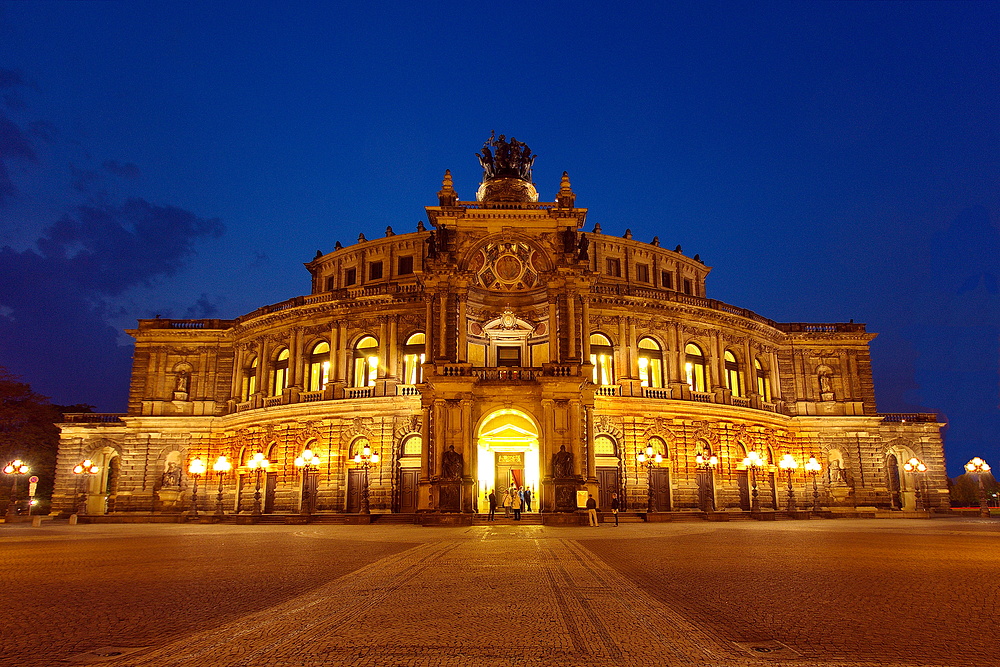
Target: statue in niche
point(182, 382)
point(171, 476)
point(825, 377)
point(562, 463)
point(452, 464)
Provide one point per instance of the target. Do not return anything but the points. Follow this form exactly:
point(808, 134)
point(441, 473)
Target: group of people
point(514, 500)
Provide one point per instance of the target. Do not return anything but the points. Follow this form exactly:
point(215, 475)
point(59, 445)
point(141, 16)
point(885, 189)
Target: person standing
point(527, 499)
point(516, 504)
point(492, 500)
point(592, 510)
point(506, 503)
point(615, 506)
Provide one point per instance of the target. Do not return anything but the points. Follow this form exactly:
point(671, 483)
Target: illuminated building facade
point(504, 344)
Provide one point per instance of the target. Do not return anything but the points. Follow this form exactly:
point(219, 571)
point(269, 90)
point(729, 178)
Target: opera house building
point(507, 342)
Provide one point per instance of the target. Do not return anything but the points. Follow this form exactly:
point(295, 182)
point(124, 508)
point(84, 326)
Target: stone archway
point(508, 453)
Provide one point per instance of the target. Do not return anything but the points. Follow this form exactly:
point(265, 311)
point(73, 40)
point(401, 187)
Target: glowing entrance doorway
point(508, 453)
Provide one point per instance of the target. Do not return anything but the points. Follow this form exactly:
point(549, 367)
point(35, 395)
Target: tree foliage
point(28, 432)
point(965, 490)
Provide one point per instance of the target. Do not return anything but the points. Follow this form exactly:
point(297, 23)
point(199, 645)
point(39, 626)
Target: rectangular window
point(330, 284)
point(642, 273)
point(687, 286)
point(374, 270)
point(614, 267)
point(666, 280)
point(405, 265)
point(508, 356)
point(350, 276)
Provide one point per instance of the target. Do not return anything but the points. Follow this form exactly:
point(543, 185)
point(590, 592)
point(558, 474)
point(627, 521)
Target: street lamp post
point(366, 459)
point(916, 466)
point(650, 458)
point(15, 469)
point(81, 470)
point(813, 467)
point(221, 467)
point(308, 462)
point(788, 464)
point(977, 467)
point(707, 464)
point(258, 464)
point(196, 469)
point(753, 462)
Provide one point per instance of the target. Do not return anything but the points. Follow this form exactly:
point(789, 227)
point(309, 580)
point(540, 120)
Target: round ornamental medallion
point(507, 266)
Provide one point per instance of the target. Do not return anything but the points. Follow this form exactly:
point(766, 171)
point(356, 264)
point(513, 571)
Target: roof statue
point(506, 159)
point(506, 171)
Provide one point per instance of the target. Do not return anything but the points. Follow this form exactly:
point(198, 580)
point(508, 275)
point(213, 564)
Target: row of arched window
point(695, 374)
point(367, 358)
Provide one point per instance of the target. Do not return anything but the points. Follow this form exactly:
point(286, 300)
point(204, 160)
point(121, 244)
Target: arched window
point(602, 357)
point(250, 379)
point(694, 368)
point(413, 359)
point(604, 446)
point(319, 366)
point(763, 380)
point(650, 363)
point(280, 374)
point(366, 362)
point(733, 374)
point(659, 446)
point(412, 445)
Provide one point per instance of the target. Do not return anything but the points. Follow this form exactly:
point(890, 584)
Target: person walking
point(527, 499)
point(506, 503)
point(592, 510)
point(492, 500)
point(615, 506)
point(515, 504)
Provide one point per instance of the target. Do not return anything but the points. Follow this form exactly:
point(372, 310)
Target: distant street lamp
point(753, 462)
point(15, 469)
point(707, 464)
point(258, 464)
point(977, 467)
point(366, 459)
point(81, 470)
point(196, 469)
point(813, 467)
point(916, 466)
point(221, 467)
point(789, 464)
point(308, 462)
point(649, 458)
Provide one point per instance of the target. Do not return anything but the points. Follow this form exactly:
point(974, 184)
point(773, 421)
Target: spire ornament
point(447, 195)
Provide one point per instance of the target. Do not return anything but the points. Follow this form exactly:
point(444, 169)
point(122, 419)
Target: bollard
point(36, 521)
point(72, 519)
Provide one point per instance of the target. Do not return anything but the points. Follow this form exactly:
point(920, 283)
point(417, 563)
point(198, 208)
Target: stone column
point(429, 328)
point(425, 445)
point(553, 331)
point(443, 325)
point(588, 415)
point(462, 353)
point(587, 328)
point(383, 343)
point(571, 324)
point(392, 351)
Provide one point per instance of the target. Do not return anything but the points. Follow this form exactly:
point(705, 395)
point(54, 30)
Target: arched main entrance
point(508, 453)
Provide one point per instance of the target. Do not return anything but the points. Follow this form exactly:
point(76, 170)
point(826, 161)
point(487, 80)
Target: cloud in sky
point(57, 297)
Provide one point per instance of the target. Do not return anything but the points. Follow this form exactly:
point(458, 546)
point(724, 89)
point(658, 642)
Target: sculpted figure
point(562, 463)
point(452, 464)
point(182, 381)
point(584, 245)
point(172, 475)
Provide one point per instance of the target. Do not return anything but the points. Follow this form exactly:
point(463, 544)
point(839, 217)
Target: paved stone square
point(832, 592)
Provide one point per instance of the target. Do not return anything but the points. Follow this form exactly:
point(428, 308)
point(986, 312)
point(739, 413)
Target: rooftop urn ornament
point(506, 171)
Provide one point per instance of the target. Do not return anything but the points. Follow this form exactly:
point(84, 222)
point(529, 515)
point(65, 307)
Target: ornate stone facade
point(505, 334)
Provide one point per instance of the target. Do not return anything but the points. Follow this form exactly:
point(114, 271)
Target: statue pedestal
point(168, 498)
point(565, 496)
point(450, 496)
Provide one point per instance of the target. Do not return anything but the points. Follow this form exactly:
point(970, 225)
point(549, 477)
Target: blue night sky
point(831, 161)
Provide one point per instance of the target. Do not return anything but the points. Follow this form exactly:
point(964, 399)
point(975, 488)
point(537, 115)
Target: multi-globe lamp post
point(257, 464)
point(707, 463)
point(196, 469)
point(651, 459)
point(789, 464)
point(753, 462)
point(365, 459)
point(15, 469)
point(916, 467)
point(308, 462)
point(813, 467)
point(82, 470)
point(977, 467)
point(220, 468)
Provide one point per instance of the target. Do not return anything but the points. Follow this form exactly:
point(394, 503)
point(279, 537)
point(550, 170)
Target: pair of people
point(592, 509)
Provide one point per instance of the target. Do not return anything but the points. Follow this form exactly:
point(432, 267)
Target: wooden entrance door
point(661, 489)
point(408, 490)
point(270, 487)
point(510, 470)
point(743, 482)
point(706, 491)
point(608, 482)
point(355, 480)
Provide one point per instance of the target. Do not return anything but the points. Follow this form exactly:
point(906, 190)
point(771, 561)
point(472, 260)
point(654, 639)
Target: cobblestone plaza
point(837, 592)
